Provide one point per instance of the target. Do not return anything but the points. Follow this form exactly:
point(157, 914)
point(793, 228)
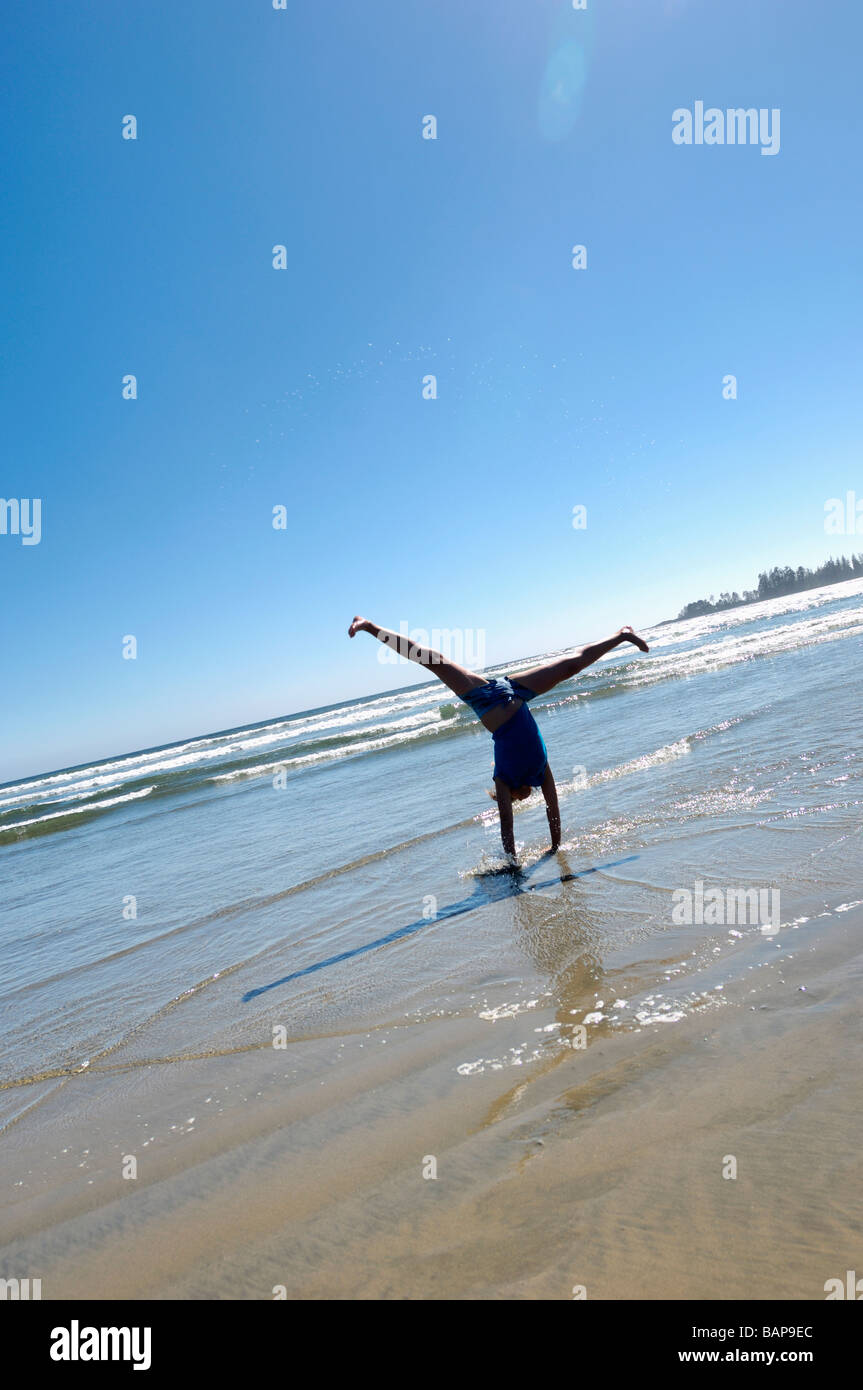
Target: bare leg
point(458, 678)
point(541, 679)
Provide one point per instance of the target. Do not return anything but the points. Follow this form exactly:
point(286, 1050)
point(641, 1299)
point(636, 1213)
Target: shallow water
point(330, 981)
point(729, 756)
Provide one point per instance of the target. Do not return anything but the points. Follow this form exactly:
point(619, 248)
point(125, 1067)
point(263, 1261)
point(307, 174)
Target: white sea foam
point(80, 810)
point(682, 649)
point(329, 754)
point(667, 753)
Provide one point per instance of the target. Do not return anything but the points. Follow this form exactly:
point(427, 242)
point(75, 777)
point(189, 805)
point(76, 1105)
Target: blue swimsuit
point(520, 756)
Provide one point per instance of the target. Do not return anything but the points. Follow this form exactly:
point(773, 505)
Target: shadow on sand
point(490, 887)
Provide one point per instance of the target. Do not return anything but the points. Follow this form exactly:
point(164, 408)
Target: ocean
point(300, 895)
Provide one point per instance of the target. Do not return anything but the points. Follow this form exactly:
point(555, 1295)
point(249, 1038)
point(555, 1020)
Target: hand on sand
point(358, 625)
point(629, 636)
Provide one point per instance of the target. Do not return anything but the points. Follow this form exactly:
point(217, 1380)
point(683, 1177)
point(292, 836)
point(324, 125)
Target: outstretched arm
point(504, 805)
point(549, 791)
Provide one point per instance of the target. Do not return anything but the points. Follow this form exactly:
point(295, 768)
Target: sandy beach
point(599, 1168)
point(342, 1059)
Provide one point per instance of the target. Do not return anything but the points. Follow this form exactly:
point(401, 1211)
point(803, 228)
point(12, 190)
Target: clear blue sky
point(406, 256)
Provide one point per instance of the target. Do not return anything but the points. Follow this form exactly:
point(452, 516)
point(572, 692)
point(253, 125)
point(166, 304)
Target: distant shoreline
point(780, 582)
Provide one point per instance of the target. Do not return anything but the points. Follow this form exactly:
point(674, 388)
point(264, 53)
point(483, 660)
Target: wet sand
point(302, 1169)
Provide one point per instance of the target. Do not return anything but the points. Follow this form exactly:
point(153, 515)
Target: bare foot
point(629, 636)
point(358, 625)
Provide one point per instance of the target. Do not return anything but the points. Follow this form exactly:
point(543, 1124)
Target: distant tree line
point(779, 581)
